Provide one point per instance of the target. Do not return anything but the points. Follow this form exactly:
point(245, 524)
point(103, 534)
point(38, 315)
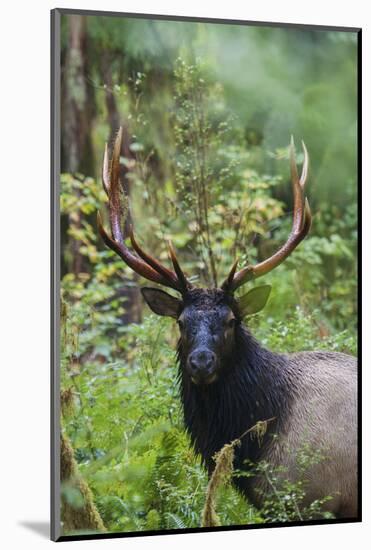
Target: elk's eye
point(230, 322)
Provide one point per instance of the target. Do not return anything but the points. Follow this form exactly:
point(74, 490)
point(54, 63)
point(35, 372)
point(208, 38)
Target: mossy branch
point(83, 516)
point(224, 469)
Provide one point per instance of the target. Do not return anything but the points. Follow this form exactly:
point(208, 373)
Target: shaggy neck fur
point(254, 384)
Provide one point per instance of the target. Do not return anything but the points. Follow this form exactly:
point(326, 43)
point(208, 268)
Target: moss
point(153, 520)
point(67, 402)
point(78, 510)
point(223, 472)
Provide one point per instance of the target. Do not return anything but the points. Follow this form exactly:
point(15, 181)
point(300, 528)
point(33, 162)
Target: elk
point(229, 382)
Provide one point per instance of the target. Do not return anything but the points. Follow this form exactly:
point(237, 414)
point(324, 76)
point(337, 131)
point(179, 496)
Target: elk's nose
point(202, 361)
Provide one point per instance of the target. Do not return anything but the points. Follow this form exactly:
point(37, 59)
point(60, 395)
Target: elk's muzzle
point(202, 365)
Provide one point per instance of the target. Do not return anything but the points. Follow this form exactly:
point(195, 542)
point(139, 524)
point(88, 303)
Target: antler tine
point(298, 185)
point(145, 265)
point(114, 190)
point(150, 260)
point(301, 224)
point(132, 261)
point(304, 170)
point(105, 171)
point(228, 283)
point(178, 270)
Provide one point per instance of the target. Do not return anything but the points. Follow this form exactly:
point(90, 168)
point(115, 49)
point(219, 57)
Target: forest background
point(207, 112)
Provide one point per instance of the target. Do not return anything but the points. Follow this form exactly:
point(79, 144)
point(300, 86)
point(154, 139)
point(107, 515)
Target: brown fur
point(324, 416)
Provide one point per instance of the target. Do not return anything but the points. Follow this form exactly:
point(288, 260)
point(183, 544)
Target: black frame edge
point(131, 534)
point(359, 263)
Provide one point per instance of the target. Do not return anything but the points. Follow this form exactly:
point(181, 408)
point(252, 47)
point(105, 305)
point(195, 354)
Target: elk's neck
point(253, 386)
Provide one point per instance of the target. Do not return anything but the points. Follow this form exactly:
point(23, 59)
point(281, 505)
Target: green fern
point(175, 522)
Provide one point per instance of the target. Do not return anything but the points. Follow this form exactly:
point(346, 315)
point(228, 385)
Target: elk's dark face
point(207, 334)
point(207, 321)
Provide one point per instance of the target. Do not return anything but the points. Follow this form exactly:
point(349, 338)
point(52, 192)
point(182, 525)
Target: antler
point(301, 223)
point(141, 262)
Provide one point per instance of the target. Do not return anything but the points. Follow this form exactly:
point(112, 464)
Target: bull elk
point(229, 382)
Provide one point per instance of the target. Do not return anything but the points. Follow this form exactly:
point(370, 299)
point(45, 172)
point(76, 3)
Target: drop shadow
point(42, 528)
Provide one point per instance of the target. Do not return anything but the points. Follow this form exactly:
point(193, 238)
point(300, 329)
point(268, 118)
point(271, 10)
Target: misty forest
point(207, 112)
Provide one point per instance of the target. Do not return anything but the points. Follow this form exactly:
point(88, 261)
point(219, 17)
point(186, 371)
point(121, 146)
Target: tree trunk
point(77, 150)
point(78, 511)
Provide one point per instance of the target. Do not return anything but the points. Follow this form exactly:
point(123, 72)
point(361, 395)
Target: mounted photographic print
point(204, 285)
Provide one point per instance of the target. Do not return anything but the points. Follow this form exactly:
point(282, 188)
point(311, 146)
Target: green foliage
point(223, 199)
point(284, 500)
point(302, 331)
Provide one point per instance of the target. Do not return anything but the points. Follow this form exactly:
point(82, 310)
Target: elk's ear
point(254, 300)
point(161, 302)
